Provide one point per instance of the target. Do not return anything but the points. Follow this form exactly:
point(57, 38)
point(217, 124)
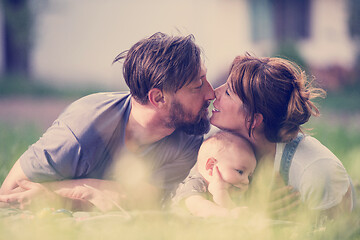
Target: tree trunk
point(17, 40)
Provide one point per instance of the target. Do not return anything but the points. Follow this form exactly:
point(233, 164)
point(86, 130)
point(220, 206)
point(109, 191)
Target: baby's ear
point(210, 164)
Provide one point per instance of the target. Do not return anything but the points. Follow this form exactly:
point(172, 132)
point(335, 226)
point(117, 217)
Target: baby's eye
point(240, 172)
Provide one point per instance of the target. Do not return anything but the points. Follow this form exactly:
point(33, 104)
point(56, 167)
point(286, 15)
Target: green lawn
point(342, 139)
point(154, 225)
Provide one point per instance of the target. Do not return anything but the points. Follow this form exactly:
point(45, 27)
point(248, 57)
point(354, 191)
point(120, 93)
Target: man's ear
point(156, 97)
point(210, 164)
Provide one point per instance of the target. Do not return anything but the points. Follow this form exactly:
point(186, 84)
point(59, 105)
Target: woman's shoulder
point(311, 150)
point(314, 160)
point(318, 174)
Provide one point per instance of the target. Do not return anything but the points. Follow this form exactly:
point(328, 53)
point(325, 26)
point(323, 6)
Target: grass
point(16, 85)
point(155, 225)
point(342, 140)
point(14, 140)
point(345, 99)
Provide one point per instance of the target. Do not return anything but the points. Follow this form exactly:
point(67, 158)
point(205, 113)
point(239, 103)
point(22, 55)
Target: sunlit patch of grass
point(165, 225)
point(44, 224)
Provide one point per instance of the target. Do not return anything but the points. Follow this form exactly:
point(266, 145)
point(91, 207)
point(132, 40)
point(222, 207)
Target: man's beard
point(188, 123)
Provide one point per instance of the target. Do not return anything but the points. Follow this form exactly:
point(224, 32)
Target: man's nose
point(210, 94)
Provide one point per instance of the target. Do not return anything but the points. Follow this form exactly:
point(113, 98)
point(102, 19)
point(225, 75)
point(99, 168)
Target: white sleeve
point(323, 184)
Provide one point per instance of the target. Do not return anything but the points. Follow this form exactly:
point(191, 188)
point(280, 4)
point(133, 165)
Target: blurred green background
point(52, 52)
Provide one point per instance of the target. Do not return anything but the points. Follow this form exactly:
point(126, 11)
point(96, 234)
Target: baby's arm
point(221, 206)
point(201, 207)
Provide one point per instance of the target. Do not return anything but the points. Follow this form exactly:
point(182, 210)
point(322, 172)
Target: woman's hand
point(284, 202)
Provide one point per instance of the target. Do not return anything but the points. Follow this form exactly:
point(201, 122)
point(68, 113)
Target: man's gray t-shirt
point(83, 141)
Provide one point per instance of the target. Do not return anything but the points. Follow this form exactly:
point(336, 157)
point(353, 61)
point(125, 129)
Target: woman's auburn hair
point(279, 90)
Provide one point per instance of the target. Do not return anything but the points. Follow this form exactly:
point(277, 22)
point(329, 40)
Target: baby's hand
point(219, 190)
point(217, 185)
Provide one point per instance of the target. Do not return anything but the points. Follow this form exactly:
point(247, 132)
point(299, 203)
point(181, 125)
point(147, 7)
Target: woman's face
point(228, 112)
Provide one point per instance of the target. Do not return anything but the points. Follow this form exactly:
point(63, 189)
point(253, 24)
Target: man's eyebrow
point(205, 72)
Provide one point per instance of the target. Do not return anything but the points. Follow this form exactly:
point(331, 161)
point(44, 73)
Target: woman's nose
point(218, 91)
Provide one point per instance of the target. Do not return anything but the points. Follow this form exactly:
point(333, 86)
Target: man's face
point(189, 106)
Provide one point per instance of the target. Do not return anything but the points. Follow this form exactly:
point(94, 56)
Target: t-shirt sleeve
point(55, 156)
point(194, 184)
point(323, 184)
point(80, 142)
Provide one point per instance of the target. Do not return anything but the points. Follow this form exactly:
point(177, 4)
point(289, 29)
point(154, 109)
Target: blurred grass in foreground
point(342, 140)
point(165, 225)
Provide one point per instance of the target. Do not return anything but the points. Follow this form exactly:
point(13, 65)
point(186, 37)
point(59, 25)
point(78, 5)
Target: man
point(160, 122)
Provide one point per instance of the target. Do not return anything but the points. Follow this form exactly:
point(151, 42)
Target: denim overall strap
point(353, 195)
point(287, 157)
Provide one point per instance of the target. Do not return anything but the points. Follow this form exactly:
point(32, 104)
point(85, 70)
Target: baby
point(224, 166)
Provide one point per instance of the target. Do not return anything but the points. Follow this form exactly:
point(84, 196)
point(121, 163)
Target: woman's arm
point(343, 207)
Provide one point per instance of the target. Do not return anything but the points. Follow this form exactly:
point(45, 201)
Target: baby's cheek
point(231, 178)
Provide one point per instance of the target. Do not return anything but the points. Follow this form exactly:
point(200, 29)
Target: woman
point(266, 100)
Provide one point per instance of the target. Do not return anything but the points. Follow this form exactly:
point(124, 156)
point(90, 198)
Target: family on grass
point(146, 148)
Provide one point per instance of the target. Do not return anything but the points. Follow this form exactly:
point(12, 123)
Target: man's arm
point(104, 195)
point(15, 175)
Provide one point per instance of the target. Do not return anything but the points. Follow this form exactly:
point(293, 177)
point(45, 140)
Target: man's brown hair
point(160, 61)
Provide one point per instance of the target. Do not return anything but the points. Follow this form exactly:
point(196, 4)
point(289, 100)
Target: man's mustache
point(206, 105)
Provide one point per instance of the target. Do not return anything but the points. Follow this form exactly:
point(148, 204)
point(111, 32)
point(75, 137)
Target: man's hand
point(28, 195)
point(102, 199)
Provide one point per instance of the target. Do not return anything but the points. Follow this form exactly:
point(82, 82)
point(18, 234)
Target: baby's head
point(232, 154)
